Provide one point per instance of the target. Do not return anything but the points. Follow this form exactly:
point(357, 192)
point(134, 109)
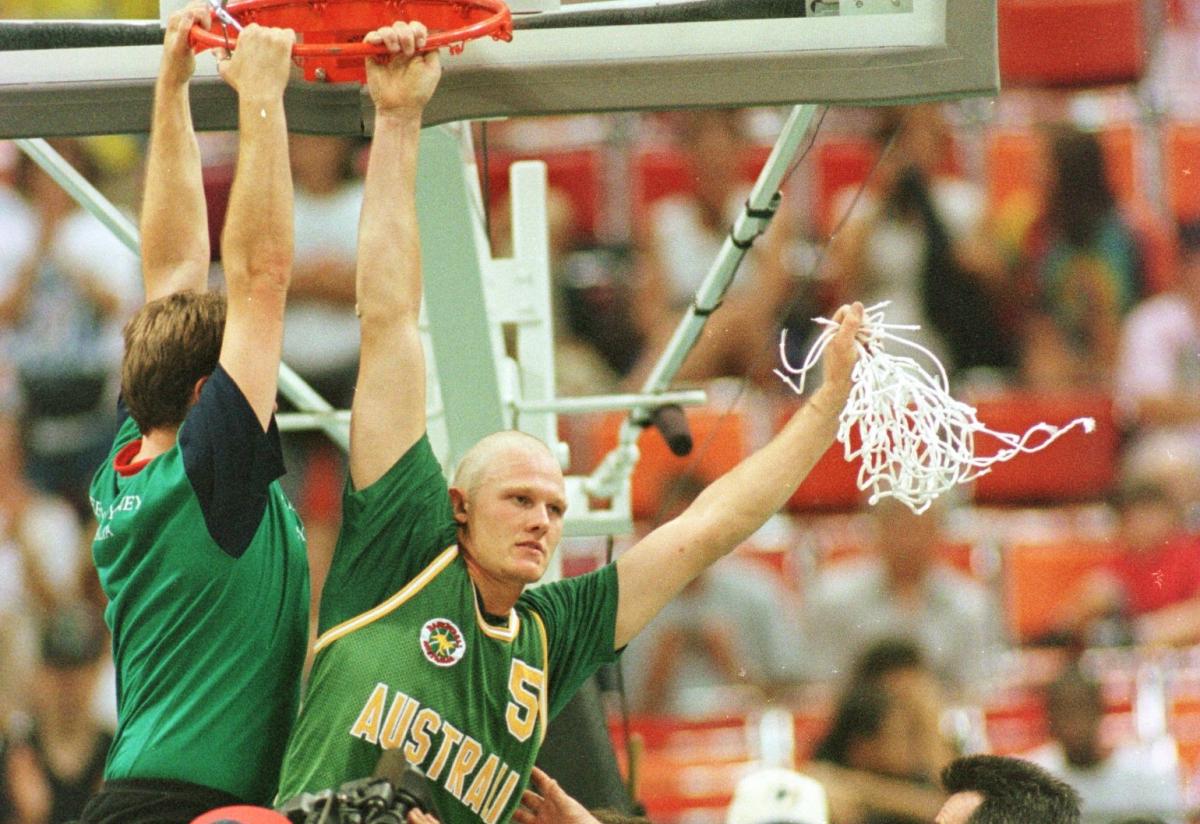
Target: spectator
point(52, 770)
point(679, 243)
point(1151, 592)
point(897, 665)
point(903, 590)
point(1111, 781)
point(64, 306)
point(1157, 383)
point(867, 763)
point(41, 564)
point(1079, 269)
point(730, 627)
point(993, 789)
point(912, 242)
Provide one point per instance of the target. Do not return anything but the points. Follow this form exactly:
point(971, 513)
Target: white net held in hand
point(917, 442)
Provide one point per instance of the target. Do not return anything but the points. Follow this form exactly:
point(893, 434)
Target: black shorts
point(153, 801)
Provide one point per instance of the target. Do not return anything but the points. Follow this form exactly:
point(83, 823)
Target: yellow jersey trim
point(544, 698)
point(490, 630)
point(375, 613)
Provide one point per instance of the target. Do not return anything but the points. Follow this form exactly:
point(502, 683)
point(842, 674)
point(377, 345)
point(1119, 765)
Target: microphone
point(672, 424)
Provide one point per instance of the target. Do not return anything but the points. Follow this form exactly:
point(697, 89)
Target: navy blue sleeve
point(230, 462)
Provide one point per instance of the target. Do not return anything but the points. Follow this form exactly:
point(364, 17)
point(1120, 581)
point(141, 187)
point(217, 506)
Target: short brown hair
point(169, 345)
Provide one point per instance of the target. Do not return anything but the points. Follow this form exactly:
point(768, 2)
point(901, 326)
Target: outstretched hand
point(261, 62)
point(842, 354)
point(178, 59)
point(549, 803)
point(403, 82)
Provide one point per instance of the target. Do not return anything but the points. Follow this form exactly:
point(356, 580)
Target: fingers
point(527, 810)
point(400, 38)
point(531, 800)
point(418, 816)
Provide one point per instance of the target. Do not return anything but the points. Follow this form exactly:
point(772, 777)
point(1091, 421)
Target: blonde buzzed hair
point(473, 468)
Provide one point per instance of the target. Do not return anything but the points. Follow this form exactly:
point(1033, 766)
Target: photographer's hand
point(417, 816)
point(550, 804)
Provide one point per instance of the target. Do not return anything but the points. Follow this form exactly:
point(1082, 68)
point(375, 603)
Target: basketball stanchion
point(918, 442)
point(329, 33)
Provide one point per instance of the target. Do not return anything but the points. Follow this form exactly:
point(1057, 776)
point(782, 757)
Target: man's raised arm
point(174, 221)
point(256, 245)
point(657, 568)
point(388, 415)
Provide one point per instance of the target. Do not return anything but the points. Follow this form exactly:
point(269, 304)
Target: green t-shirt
point(406, 659)
point(203, 561)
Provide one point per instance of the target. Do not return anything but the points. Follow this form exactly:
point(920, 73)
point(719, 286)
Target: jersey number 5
point(525, 685)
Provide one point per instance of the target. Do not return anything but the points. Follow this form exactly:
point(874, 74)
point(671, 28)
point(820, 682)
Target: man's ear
point(196, 390)
point(458, 501)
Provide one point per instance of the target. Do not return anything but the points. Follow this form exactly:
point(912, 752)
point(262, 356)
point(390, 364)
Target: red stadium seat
point(1076, 467)
point(842, 161)
point(577, 173)
point(660, 173)
point(1070, 42)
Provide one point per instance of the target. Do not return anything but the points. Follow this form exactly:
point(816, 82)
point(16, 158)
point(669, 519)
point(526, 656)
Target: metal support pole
point(760, 207)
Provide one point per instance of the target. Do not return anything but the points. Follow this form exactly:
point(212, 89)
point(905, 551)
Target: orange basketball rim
point(329, 33)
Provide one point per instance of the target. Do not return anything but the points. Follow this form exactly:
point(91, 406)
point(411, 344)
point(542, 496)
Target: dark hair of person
point(886, 656)
point(1141, 493)
point(1080, 197)
point(1071, 687)
point(1014, 791)
point(860, 715)
point(606, 815)
point(170, 344)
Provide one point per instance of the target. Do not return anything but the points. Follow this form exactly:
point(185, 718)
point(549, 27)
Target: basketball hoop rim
point(497, 24)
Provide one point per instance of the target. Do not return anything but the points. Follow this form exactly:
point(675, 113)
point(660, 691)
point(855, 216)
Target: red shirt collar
point(123, 460)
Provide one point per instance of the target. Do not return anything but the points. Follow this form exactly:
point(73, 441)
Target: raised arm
point(257, 241)
point(657, 568)
point(388, 414)
point(174, 222)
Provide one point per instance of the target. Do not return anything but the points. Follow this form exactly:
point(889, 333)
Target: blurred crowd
point(898, 627)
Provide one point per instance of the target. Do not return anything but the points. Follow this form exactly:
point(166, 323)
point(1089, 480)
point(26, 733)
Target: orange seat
point(1078, 466)
point(1039, 578)
point(720, 443)
point(1010, 159)
point(1182, 167)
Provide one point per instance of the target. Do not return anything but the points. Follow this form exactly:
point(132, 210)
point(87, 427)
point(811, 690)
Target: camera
point(385, 798)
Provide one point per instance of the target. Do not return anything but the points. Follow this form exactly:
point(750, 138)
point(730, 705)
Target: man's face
point(514, 517)
point(959, 808)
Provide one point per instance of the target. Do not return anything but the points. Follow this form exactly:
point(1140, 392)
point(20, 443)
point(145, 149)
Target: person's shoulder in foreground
point(993, 789)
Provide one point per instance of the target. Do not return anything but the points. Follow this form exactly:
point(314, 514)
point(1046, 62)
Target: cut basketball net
point(917, 442)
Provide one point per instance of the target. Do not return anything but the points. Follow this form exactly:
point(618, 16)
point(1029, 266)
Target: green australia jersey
point(407, 660)
point(203, 561)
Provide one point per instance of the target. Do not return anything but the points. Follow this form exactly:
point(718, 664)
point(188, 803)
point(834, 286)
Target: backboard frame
point(911, 57)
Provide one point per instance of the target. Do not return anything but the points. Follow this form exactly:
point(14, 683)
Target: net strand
point(916, 441)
